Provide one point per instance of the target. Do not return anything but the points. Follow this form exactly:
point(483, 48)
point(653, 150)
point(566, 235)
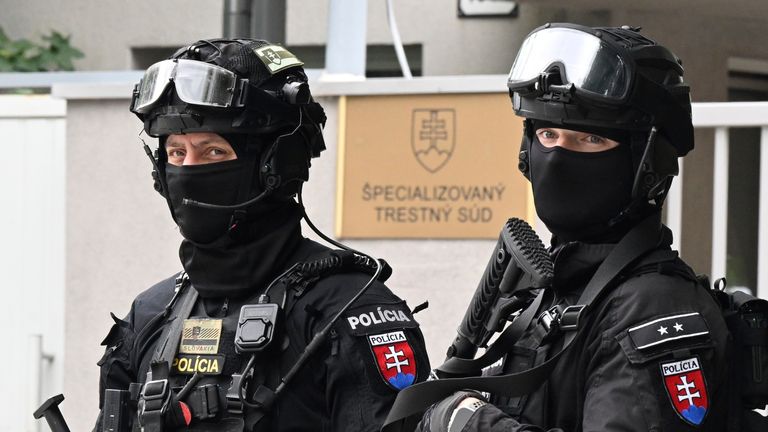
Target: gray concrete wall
point(106, 30)
point(120, 239)
point(451, 46)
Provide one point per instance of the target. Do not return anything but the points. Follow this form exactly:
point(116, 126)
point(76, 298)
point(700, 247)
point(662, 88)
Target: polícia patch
point(394, 358)
point(686, 388)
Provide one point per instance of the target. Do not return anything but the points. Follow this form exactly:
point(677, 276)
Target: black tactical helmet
point(225, 86)
point(609, 78)
point(236, 86)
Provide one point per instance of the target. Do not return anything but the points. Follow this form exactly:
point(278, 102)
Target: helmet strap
point(523, 163)
point(158, 161)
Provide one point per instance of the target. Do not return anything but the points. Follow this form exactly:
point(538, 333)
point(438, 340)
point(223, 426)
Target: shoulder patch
point(371, 319)
point(668, 329)
point(686, 388)
point(394, 358)
point(277, 58)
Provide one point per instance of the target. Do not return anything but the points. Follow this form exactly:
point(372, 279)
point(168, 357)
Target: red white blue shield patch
point(686, 389)
point(394, 358)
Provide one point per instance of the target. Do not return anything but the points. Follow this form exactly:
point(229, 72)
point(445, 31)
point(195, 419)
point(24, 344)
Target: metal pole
point(401, 58)
point(675, 208)
point(720, 205)
point(268, 20)
point(34, 386)
point(762, 228)
point(237, 18)
point(345, 47)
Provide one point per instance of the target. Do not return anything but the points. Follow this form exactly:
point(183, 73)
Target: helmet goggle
point(594, 68)
point(195, 82)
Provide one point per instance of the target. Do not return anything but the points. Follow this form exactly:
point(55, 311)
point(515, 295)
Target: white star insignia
point(678, 327)
point(662, 330)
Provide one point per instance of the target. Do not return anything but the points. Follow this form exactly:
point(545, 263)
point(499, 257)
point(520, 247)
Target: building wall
point(106, 30)
point(120, 239)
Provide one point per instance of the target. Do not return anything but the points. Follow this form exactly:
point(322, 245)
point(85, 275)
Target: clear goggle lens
point(195, 82)
point(584, 61)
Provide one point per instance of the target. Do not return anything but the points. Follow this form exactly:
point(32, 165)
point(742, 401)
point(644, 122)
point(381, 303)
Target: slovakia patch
point(686, 389)
point(394, 358)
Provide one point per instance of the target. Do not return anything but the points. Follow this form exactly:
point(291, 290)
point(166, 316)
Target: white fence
point(32, 222)
point(722, 116)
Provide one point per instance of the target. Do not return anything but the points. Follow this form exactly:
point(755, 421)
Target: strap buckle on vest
point(570, 318)
point(153, 404)
point(234, 404)
point(154, 390)
point(561, 318)
point(549, 319)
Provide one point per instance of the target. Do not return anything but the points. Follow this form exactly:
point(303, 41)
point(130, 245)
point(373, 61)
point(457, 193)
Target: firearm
point(50, 410)
point(114, 415)
point(519, 263)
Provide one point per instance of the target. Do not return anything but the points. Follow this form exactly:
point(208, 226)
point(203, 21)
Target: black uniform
point(374, 350)
point(650, 358)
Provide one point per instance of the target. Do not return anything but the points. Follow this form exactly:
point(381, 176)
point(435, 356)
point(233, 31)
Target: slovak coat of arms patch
point(394, 358)
point(686, 388)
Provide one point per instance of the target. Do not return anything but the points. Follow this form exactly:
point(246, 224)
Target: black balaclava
point(228, 253)
point(580, 195)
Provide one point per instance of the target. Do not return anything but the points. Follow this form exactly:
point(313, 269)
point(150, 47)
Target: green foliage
point(23, 55)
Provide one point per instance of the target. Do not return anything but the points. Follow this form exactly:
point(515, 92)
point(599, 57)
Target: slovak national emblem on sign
point(433, 136)
point(394, 358)
point(686, 389)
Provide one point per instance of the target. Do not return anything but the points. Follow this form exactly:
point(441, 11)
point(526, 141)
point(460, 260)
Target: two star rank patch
point(663, 331)
point(394, 358)
point(683, 379)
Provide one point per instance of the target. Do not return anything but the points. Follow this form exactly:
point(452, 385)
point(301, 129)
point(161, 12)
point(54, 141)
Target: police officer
point(263, 329)
point(607, 114)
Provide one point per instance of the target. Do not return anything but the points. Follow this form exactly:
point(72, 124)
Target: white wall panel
point(32, 186)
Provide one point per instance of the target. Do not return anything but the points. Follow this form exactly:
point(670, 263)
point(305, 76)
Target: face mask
point(577, 194)
point(215, 183)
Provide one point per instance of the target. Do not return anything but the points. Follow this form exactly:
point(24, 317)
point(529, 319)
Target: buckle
point(549, 317)
point(560, 318)
point(234, 404)
point(571, 317)
point(156, 389)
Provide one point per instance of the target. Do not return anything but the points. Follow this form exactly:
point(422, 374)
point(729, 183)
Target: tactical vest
point(224, 372)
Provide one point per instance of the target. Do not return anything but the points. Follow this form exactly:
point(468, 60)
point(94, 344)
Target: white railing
point(722, 116)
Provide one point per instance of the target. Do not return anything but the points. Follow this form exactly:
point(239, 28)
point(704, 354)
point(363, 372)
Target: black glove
point(438, 415)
